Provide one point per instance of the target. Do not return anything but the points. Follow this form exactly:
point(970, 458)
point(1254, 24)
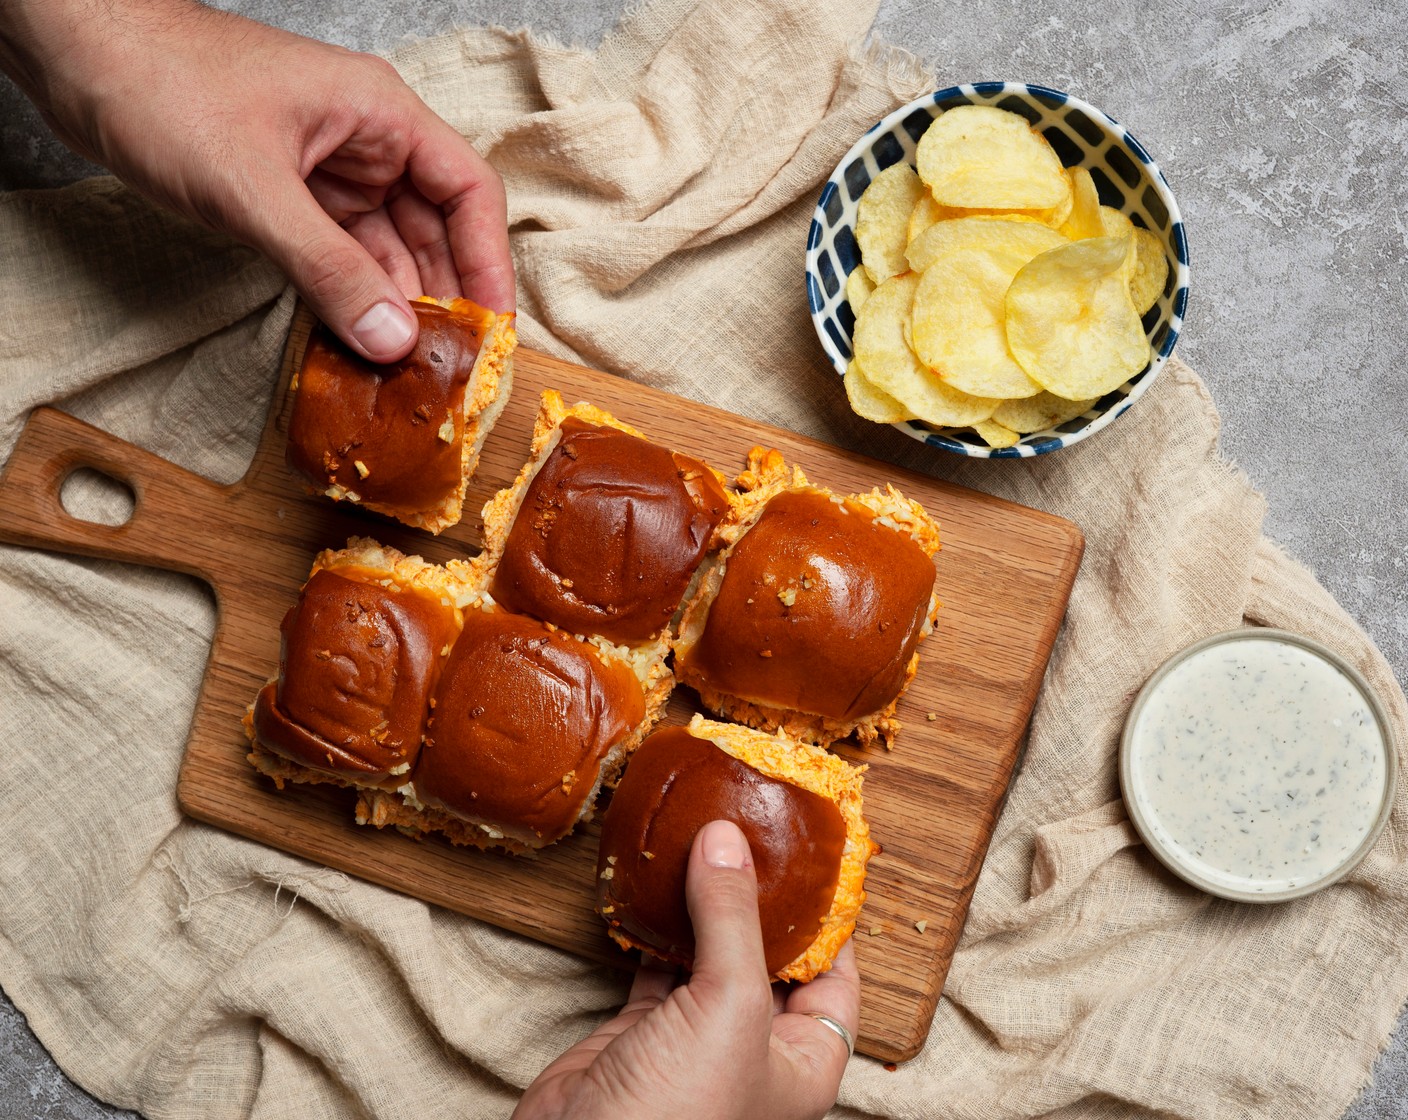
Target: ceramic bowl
point(1125, 175)
point(1263, 734)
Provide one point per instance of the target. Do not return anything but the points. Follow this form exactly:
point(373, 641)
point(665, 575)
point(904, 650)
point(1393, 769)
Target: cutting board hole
point(91, 495)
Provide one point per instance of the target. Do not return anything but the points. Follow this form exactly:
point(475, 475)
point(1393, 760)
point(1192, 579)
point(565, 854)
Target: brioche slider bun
point(404, 438)
point(609, 533)
point(798, 806)
point(603, 530)
point(526, 724)
point(360, 653)
point(810, 621)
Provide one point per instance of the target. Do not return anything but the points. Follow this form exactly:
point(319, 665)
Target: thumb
point(721, 890)
point(342, 282)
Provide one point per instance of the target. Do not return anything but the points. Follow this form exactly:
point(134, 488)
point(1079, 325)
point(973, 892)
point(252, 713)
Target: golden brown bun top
point(609, 534)
point(674, 785)
point(357, 665)
point(819, 611)
point(523, 716)
point(403, 422)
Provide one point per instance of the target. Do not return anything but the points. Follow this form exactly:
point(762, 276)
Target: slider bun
point(403, 439)
point(603, 531)
point(527, 722)
point(811, 620)
point(360, 652)
point(800, 809)
point(609, 533)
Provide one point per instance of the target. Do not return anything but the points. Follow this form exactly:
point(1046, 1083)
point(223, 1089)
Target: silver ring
point(828, 1021)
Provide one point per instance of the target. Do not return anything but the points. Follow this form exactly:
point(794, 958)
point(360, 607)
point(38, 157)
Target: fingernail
point(383, 330)
point(722, 845)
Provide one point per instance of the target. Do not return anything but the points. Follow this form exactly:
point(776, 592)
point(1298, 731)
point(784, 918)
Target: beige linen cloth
point(660, 190)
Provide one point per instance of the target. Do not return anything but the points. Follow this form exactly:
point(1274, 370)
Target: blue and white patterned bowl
point(1125, 175)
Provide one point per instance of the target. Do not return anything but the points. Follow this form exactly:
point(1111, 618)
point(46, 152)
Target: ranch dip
point(1254, 766)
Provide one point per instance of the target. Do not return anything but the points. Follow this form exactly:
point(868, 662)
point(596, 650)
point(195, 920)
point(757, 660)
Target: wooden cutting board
point(1005, 573)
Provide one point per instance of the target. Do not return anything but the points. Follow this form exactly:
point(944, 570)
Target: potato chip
point(1036, 414)
point(959, 311)
point(1150, 274)
point(859, 285)
point(1114, 223)
point(995, 434)
point(1057, 216)
point(1011, 236)
point(979, 156)
point(1041, 217)
point(871, 403)
point(1071, 323)
point(882, 220)
point(925, 213)
point(890, 365)
point(933, 212)
point(1084, 220)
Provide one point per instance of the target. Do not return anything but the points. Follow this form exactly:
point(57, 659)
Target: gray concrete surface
point(1283, 128)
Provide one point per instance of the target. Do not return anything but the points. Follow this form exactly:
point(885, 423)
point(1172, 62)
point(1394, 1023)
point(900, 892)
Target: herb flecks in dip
point(1258, 764)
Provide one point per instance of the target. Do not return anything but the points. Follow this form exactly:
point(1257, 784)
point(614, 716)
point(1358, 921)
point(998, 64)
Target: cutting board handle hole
point(90, 495)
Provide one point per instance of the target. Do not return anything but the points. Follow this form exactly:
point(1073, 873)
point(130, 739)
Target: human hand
point(322, 158)
point(722, 1045)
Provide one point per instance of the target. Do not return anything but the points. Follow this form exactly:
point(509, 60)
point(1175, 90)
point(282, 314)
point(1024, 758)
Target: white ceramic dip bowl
point(1258, 765)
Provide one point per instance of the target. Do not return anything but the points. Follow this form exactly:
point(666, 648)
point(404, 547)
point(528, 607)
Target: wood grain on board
point(1005, 573)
